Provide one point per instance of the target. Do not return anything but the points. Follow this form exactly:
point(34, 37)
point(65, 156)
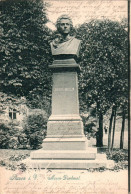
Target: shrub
point(4, 139)
point(118, 156)
point(13, 143)
point(4, 128)
point(91, 129)
point(35, 130)
point(9, 136)
point(89, 126)
point(31, 137)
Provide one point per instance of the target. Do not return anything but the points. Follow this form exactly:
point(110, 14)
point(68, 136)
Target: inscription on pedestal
point(65, 93)
point(65, 128)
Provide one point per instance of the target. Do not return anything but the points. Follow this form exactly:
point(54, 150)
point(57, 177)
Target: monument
point(65, 145)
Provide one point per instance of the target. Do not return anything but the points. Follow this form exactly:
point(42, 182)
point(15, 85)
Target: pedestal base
point(64, 144)
point(67, 153)
point(80, 160)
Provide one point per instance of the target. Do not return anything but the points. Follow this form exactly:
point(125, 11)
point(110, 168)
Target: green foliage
point(4, 128)
point(12, 137)
point(25, 51)
point(3, 141)
point(35, 130)
point(91, 129)
point(11, 101)
point(103, 80)
point(18, 157)
point(13, 162)
point(104, 62)
point(9, 136)
point(9, 129)
point(35, 123)
point(4, 137)
point(31, 137)
point(89, 123)
point(118, 155)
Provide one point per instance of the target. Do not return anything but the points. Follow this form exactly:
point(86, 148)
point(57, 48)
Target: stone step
point(69, 164)
point(101, 156)
point(64, 144)
point(89, 154)
point(64, 139)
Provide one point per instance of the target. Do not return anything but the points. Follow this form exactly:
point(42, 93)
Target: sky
point(86, 10)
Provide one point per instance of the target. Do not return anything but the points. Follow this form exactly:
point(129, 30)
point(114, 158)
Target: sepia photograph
point(64, 96)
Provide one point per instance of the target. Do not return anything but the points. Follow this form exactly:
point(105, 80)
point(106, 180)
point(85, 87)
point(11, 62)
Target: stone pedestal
point(65, 127)
point(65, 119)
point(65, 145)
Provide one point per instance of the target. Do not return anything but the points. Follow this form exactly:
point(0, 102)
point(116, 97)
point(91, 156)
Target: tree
point(104, 66)
point(114, 124)
point(25, 53)
point(122, 129)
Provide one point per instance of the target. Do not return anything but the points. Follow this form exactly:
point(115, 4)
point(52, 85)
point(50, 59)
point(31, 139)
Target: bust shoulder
point(71, 46)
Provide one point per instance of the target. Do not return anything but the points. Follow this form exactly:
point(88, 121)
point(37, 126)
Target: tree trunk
point(109, 133)
point(122, 130)
point(99, 142)
point(114, 124)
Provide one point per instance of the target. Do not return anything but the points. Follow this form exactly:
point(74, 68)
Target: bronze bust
point(65, 45)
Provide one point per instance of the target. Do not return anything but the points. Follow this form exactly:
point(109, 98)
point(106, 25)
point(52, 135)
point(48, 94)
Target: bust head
point(64, 25)
point(64, 43)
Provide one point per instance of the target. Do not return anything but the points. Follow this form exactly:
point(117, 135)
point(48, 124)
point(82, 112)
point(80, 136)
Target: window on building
point(12, 113)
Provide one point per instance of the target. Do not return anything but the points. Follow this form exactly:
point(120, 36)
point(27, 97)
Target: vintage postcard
point(64, 96)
